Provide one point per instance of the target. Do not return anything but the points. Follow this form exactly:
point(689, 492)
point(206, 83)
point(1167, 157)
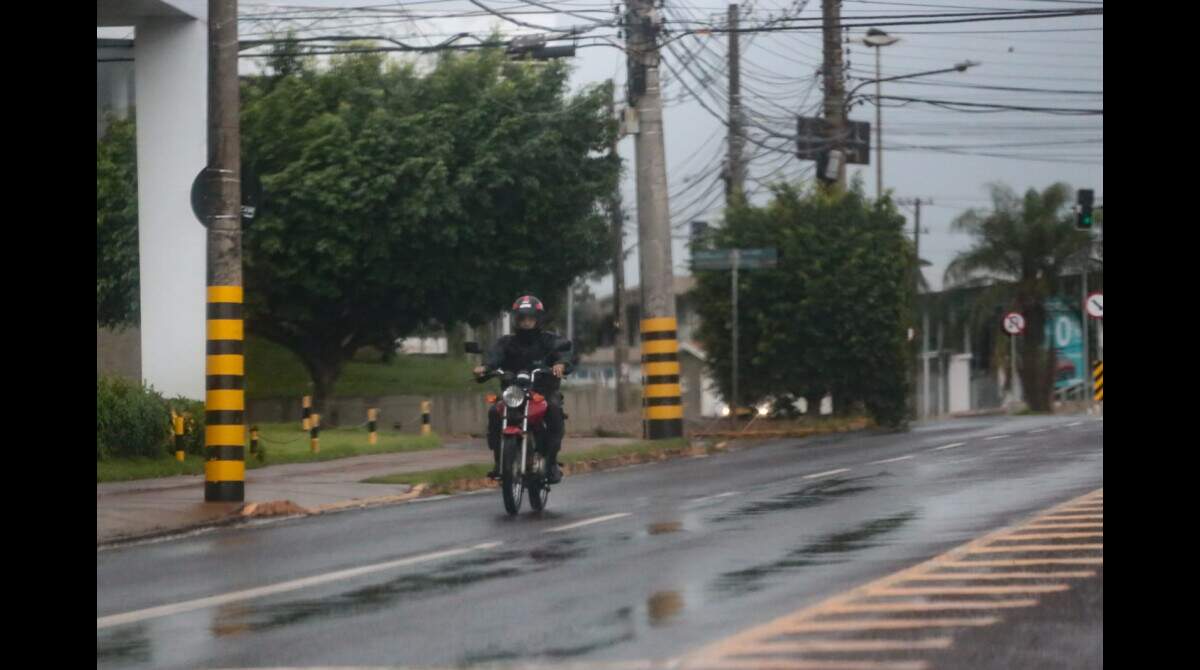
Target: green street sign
point(747, 259)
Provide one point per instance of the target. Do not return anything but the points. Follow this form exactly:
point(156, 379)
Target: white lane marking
point(949, 446)
point(1072, 425)
point(826, 474)
point(892, 460)
point(1039, 430)
point(586, 522)
point(996, 437)
point(282, 587)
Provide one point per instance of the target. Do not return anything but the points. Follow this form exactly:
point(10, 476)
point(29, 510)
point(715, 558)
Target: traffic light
point(1083, 212)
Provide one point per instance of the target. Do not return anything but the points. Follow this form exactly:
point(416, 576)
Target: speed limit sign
point(1014, 323)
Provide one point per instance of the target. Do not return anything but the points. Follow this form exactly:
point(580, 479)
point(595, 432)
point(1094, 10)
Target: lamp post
point(877, 38)
point(882, 39)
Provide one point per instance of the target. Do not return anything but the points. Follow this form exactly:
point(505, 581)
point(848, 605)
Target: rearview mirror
point(472, 348)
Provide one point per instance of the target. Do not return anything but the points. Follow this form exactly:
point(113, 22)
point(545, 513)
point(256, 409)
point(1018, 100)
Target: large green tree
point(117, 225)
point(388, 196)
point(1021, 248)
point(831, 318)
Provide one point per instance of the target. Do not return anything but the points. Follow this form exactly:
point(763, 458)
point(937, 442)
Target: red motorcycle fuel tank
point(537, 410)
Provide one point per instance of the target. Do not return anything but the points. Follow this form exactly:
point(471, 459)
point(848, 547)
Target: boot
point(495, 473)
point(553, 473)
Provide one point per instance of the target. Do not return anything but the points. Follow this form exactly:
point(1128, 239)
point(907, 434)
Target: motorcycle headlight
point(514, 396)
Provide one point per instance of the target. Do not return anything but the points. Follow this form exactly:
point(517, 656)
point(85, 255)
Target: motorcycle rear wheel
point(512, 489)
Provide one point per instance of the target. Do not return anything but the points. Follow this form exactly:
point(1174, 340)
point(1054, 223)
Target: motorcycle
point(523, 415)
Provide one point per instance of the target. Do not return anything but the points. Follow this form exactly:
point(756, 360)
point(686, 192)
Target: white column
point(171, 57)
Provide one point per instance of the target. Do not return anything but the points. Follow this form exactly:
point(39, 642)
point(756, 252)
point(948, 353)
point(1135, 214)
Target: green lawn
point(275, 372)
point(281, 443)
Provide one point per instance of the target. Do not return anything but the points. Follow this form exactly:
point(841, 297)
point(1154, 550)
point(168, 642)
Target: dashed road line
point(1050, 536)
point(1072, 425)
point(952, 445)
point(996, 437)
point(892, 460)
point(1016, 548)
point(586, 522)
point(969, 590)
point(925, 606)
point(282, 587)
point(971, 576)
point(834, 646)
point(827, 473)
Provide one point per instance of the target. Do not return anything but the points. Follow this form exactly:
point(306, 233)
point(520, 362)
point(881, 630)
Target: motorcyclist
point(527, 348)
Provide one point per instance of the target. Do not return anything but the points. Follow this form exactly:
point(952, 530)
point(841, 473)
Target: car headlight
point(514, 396)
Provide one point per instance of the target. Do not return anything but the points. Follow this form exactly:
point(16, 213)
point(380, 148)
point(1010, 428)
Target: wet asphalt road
point(703, 548)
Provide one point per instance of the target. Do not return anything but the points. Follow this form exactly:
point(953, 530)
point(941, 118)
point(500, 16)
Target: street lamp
point(877, 38)
point(882, 39)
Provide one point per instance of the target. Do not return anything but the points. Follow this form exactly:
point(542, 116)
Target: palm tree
point(1021, 248)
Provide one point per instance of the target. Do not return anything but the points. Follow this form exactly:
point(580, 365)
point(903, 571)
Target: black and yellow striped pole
point(662, 401)
point(426, 427)
point(372, 417)
point(177, 424)
point(225, 398)
point(314, 436)
point(305, 412)
point(1098, 381)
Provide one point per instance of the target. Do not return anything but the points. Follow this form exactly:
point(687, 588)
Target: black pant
point(551, 437)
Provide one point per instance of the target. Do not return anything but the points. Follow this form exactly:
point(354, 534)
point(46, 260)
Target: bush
point(131, 420)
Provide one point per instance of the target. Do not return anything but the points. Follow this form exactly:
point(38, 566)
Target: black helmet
point(528, 305)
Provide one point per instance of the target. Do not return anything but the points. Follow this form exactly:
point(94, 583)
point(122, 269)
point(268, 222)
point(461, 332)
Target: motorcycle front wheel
point(512, 489)
point(539, 493)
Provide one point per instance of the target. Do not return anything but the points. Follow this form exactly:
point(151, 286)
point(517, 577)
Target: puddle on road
point(819, 492)
point(830, 549)
point(609, 630)
point(453, 575)
point(123, 646)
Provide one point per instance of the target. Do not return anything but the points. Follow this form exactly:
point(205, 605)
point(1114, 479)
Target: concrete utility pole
point(620, 342)
point(835, 90)
point(735, 183)
point(662, 404)
point(225, 434)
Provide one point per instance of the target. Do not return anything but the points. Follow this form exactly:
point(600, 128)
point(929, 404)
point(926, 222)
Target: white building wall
point(171, 84)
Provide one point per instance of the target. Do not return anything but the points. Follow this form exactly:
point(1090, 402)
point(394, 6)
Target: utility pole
point(733, 409)
point(225, 435)
point(662, 404)
point(735, 183)
point(835, 90)
point(620, 343)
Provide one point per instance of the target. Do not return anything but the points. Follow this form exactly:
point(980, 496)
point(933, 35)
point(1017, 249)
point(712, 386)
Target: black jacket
point(513, 354)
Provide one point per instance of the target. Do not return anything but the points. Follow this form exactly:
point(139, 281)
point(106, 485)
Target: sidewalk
point(148, 507)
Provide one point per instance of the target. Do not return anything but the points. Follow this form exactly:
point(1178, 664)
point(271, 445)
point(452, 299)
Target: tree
point(1021, 248)
point(117, 225)
point(831, 318)
point(387, 197)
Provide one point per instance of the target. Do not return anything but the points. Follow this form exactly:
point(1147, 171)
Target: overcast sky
point(929, 152)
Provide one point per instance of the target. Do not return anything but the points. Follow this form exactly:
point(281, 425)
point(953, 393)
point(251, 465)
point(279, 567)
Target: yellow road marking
point(891, 624)
point(923, 606)
point(788, 664)
point(968, 576)
point(852, 645)
point(1086, 524)
point(1049, 536)
point(1069, 517)
point(968, 590)
point(1015, 562)
point(1017, 548)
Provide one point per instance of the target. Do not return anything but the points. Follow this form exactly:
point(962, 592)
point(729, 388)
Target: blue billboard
point(1065, 334)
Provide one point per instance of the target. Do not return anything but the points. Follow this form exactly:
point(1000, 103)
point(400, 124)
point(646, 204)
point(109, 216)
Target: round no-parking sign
point(1014, 323)
point(1095, 305)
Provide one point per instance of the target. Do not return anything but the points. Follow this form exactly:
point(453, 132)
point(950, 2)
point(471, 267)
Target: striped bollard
point(314, 436)
point(1098, 381)
point(177, 424)
point(426, 428)
point(305, 412)
point(225, 398)
point(662, 401)
point(372, 417)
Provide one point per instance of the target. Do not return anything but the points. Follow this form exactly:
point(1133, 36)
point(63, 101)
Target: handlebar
point(499, 372)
